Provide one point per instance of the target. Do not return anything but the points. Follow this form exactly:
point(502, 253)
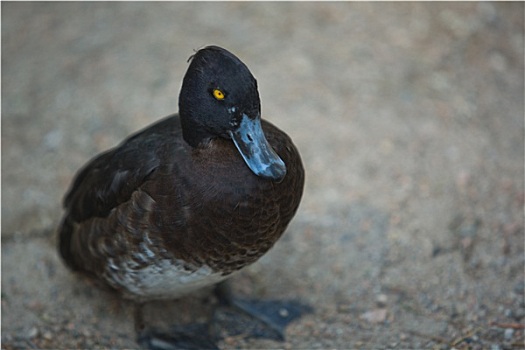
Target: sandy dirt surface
point(410, 121)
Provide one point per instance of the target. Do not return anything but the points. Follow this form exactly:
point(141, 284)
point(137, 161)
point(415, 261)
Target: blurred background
point(410, 121)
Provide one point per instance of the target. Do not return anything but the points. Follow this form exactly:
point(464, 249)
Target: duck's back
point(156, 218)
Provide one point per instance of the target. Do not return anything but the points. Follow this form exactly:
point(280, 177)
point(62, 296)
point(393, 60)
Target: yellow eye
point(218, 94)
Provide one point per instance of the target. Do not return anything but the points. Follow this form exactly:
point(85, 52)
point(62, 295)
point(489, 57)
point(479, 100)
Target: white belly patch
point(165, 279)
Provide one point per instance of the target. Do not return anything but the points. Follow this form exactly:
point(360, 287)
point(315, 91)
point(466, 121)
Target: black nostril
point(249, 137)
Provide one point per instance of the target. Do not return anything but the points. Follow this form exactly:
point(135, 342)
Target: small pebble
point(53, 139)
point(509, 333)
point(374, 316)
point(33, 332)
point(381, 300)
point(495, 347)
point(48, 335)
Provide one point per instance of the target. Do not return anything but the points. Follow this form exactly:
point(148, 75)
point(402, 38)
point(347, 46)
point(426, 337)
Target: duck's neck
point(193, 133)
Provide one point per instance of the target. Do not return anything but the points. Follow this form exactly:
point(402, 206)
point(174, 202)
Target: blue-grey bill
point(256, 151)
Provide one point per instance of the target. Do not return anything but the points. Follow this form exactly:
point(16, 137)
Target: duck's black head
point(219, 98)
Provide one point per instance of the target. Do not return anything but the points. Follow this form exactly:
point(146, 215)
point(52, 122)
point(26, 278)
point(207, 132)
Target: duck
point(190, 200)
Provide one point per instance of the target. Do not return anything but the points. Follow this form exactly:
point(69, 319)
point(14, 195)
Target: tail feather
point(65, 236)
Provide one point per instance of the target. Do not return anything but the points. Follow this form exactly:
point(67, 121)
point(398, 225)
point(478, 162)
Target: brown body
point(156, 211)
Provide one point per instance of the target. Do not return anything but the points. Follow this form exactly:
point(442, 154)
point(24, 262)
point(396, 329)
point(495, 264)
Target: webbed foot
point(256, 318)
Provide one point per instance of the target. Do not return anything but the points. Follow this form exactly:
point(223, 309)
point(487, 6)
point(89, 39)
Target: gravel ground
point(410, 121)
